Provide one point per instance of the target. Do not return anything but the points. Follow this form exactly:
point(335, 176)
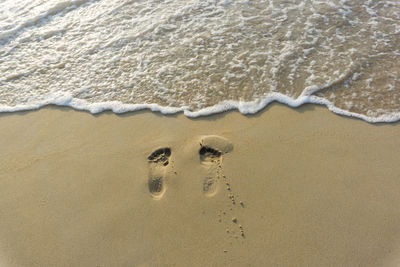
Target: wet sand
point(285, 187)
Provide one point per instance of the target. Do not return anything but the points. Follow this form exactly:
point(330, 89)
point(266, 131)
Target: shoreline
point(291, 186)
point(245, 108)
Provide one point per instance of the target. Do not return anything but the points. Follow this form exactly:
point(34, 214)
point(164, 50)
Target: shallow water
point(201, 57)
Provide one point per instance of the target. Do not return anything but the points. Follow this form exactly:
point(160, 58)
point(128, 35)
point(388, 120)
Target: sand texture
point(286, 187)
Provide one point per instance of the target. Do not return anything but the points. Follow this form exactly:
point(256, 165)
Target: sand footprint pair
point(211, 150)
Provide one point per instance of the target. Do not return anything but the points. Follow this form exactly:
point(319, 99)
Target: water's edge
point(246, 108)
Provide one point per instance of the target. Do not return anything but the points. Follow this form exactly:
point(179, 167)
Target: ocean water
point(201, 56)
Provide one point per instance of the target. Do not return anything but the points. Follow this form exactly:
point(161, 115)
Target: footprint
point(212, 148)
point(158, 161)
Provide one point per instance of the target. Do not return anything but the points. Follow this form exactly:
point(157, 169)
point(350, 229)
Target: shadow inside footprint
point(156, 185)
point(160, 155)
point(158, 161)
point(209, 153)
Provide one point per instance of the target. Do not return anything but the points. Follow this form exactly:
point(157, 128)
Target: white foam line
point(250, 107)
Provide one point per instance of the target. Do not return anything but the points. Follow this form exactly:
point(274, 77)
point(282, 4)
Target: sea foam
point(201, 57)
point(251, 107)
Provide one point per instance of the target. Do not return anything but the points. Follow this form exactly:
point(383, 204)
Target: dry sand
point(292, 187)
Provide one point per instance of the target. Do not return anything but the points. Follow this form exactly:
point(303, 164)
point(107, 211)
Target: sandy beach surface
point(285, 187)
